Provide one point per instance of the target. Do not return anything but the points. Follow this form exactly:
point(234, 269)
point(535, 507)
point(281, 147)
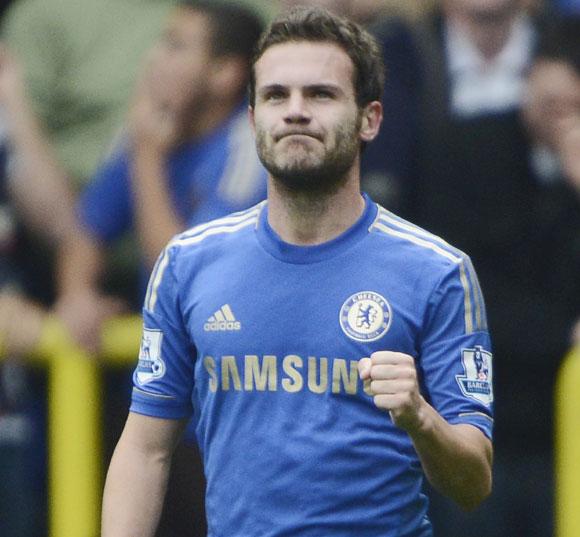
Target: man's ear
point(228, 76)
point(371, 119)
point(251, 118)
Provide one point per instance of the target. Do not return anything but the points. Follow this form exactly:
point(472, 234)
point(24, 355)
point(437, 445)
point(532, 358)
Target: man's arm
point(155, 130)
point(39, 185)
point(155, 218)
point(81, 305)
point(456, 459)
point(570, 151)
point(137, 477)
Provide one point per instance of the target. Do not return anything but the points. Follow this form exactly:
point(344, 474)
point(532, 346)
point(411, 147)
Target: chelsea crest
point(365, 316)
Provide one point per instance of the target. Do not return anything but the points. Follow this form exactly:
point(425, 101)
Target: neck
point(306, 219)
point(489, 43)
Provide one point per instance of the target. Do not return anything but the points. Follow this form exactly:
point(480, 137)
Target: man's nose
point(297, 110)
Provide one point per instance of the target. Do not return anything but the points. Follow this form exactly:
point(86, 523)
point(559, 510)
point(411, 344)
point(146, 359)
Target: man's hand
point(158, 114)
point(569, 150)
point(394, 386)
point(154, 127)
point(576, 334)
point(83, 314)
point(20, 323)
point(12, 90)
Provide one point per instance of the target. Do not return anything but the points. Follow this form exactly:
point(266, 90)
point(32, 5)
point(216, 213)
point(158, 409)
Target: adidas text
point(218, 326)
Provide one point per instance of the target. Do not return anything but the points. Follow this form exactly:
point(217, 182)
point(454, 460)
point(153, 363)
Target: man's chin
point(304, 180)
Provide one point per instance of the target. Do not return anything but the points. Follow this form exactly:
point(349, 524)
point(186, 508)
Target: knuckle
point(376, 386)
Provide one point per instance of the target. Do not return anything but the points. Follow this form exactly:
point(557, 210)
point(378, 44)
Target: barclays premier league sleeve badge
point(151, 366)
point(477, 381)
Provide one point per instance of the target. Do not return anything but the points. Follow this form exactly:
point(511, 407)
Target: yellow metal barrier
point(75, 457)
point(568, 447)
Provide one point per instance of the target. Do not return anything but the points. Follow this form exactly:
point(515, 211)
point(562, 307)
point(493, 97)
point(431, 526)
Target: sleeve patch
point(151, 366)
point(477, 380)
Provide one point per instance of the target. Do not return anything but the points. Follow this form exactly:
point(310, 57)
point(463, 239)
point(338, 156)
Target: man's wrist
point(425, 421)
point(148, 155)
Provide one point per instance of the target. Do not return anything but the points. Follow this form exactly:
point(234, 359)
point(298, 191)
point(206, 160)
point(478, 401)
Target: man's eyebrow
point(271, 87)
point(325, 86)
point(333, 88)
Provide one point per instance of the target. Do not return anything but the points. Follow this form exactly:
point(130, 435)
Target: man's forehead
point(304, 62)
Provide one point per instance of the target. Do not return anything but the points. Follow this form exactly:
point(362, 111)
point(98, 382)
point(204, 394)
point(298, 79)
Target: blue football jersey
point(258, 340)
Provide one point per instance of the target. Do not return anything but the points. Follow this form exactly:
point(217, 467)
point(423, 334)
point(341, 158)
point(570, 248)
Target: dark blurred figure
point(45, 208)
point(459, 160)
point(457, 75)
point(552, 117)
point(188, 155)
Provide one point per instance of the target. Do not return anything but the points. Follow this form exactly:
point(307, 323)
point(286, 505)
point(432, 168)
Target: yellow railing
point(568, 447)
point(75, 457)
point(74, 423)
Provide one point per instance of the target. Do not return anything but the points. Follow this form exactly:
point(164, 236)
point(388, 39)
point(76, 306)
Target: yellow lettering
point(313, 385)
point(295, 382)
point(209, 364)
point(229, 368)
point(340, 375)
point(367, 387)
point(260, 376)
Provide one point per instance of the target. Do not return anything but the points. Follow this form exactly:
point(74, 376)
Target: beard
point(299, 169)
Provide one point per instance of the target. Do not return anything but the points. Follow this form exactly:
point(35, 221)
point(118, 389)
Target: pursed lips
point(297, 133)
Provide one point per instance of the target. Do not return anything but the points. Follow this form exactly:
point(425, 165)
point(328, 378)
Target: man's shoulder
point(414, 245)
point(230, 230)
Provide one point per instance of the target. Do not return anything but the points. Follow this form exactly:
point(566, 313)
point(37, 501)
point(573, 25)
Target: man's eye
point(274, 96)
point(322, 94)
point(173, 43)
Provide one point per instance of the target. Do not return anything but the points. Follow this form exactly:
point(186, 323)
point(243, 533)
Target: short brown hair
point(234, 29)
point(319, 25)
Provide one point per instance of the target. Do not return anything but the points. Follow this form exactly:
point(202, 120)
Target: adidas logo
point(222, 320)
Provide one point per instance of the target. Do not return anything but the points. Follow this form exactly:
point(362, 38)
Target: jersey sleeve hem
point(479, 420)
point(158, 407)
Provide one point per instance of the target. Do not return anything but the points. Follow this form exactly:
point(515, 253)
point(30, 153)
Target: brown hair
point(235, 29)
point(319, 25)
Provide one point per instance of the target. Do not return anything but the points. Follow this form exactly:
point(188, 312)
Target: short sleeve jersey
point(259, 341)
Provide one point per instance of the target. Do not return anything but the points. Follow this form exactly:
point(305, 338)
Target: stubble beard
point(305, 173)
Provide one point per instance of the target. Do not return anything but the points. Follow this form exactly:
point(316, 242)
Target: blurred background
point(123, 122)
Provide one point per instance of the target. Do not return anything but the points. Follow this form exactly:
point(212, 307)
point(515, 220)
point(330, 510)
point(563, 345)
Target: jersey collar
point(291, 253)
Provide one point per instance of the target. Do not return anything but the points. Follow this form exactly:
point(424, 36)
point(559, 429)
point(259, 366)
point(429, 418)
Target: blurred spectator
point(79, 59)
point(469, 178)
point(460, 65)
point(45, 205)
point(552, 115)
point(188, 155)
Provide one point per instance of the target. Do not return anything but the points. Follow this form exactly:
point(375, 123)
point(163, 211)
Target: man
point(460, 74)
point(189, 154)
point(258, 322)
point(551, 113)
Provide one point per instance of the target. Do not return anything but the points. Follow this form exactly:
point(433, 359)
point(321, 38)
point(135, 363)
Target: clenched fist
point(394, 386)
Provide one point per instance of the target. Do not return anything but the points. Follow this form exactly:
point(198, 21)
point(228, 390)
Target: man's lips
point(297, 133)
